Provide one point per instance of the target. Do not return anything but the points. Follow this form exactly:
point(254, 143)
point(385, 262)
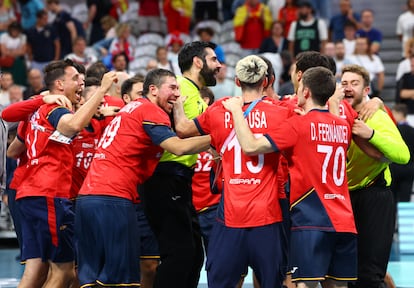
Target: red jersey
point(84, 146)
point(202, 196)
point(18, 174)
point(316, 146)
point(49, 166)
point(250, 195)
point(128, 153)
point(110, 101)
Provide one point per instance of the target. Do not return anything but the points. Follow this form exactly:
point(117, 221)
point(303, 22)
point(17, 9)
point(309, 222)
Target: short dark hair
point(79, 67)
point(97, 69)
point(126, 87)
point(120, 54)
point(309, 59)
point(14, 26)
point(321, 82)
point(155, 77)
point(55, 70)
point(92, 81)
point(191, 50)
point(401, 108)
point(206, 92)
point(270, 72)
point(41, 13)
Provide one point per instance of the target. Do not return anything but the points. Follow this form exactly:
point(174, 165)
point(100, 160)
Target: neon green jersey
point(194, 105)
point(362, 169)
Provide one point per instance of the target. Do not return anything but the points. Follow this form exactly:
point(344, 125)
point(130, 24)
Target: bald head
point(35, 78)
point(115, 89)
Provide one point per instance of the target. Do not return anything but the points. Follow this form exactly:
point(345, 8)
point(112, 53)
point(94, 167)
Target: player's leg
point(35, 233)
point(343, 265)
point(171, 215)
point(330, 283)
point(62, 275)
point(307, 284)
point(148, 272)
point(265, 251)
point(35, 273)
point(149, 251)
point(227, 256)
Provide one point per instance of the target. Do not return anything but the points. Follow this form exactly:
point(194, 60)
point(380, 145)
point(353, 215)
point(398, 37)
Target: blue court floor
point(10, 270)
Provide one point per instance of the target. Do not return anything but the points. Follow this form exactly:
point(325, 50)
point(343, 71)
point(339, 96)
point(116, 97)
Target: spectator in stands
point(97, 70)
point(80, 54)
point(164, 63)
point(97, 9)
point(287, 15)
point(121, 42)
point(64, 25)
point(405, 66)
point(403, 175)
point(15, 94)
point(367, 30)
point(350, 39)
point(120, 62)
point(285, 80)
point(371, 62)
point(108, 25)
point(337, 24)
point(7, 16)
point(322, 8)
point(36, 85)
point(205, 10)
point(227, 13)
point(151, 64)
point(206, 34)
point(224, 86)
point(308, 32)
point(43, 42)
point(252, 23)
point(13, 44)
point(277, 42)
point(405, 23)
point(6, 81)
point(29, 10)
point(178, 14)
point(174, 46)
point(407, 91)
point(149, 17)
point(339, 59)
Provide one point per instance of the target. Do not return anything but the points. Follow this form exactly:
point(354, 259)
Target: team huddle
point(125, 192)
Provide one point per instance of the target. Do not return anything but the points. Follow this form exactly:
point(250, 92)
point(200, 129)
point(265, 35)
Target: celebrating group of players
point(83, 182)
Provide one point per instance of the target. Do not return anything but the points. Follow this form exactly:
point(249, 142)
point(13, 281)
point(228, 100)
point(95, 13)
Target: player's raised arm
point(184, 127)
point(186, 146)
point(249, 144)
point(70, 124)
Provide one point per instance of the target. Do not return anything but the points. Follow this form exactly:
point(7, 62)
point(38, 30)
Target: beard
point(303, 16)
point(208, 75)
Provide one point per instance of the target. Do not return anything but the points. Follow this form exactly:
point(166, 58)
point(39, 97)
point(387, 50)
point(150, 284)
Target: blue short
point(317, 255)
point(232, 250)
point(207, 218)
point(47, 229)
point(149, 243)
point(106, 229)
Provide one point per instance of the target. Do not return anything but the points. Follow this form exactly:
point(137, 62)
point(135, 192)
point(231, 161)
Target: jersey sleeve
point(284, 136)
point(158, 133)
point(55, 115)
point(20, 111)
point(387, 138)
point(203, 121)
